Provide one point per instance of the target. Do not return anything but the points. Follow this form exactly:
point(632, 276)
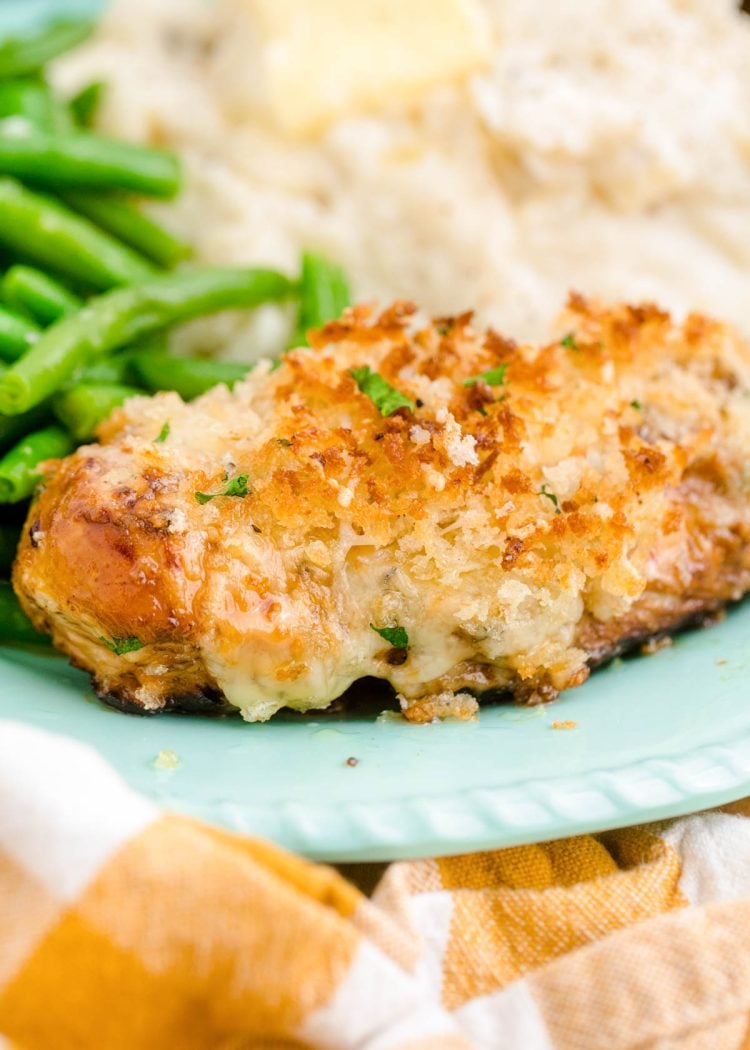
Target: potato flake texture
point(519, 533)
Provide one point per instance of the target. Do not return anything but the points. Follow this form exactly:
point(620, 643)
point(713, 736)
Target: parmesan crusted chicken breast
point(519, 515)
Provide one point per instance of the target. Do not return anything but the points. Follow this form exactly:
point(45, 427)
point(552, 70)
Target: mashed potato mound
point(606, 149)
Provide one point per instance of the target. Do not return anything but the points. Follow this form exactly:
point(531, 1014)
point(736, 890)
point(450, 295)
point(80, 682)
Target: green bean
point(15, 626)
point(84, 105)
point(45, 231)
point(324, 295)
point(188, 376)
point(81, 159)
point(31, 100)
point(30, 105)
point(20, 466)
point(16, 335)
point(114, 369)
point(131, 226)
point(81, 408)
point(40, 295)
point(22, 55)
point(118, 368)
point(123, 316)
point(14, 427)
point(9, 535)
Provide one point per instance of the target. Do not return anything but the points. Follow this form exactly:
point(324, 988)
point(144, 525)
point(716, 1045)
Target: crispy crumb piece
point(721, 663)
point(564, 725)
point(352, 761)
point(166, 759)
point(653, 645)
point(438, 706)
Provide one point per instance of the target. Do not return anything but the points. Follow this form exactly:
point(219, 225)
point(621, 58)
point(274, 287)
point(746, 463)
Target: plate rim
point(443, 819)
point(427, 822)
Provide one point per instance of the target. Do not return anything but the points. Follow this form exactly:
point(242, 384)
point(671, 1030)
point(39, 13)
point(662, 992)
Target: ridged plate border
point(653, 737)
point(526, 812)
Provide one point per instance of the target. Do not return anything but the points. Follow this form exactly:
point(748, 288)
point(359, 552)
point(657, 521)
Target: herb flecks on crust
point(514, 546)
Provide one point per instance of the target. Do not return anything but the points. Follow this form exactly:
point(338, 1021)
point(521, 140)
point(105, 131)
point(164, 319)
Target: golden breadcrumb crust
point(520, 532)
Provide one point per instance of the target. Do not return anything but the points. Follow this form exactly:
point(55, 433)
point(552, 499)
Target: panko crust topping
point(536, 510)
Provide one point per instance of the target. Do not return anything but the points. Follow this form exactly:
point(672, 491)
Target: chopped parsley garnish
point(551, 497)
point(395, 636)
point(235, 487)
point(636, 404)
point(120, 646)
point(163, 434)
point(285, 442)
point(495, 377)
point(569, 342)
point(385, 397)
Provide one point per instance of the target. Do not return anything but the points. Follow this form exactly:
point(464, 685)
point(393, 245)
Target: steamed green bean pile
point(91, 285)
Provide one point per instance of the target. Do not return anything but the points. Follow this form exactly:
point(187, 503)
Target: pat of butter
point(325, 59)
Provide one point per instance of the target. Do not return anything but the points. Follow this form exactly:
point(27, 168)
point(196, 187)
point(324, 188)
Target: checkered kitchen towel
point(124, 926)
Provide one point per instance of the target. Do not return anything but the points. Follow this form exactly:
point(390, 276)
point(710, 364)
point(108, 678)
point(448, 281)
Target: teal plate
point(17, 15)
point(653, 737)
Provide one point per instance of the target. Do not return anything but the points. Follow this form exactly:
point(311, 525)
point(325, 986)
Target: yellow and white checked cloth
point(124, 926)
